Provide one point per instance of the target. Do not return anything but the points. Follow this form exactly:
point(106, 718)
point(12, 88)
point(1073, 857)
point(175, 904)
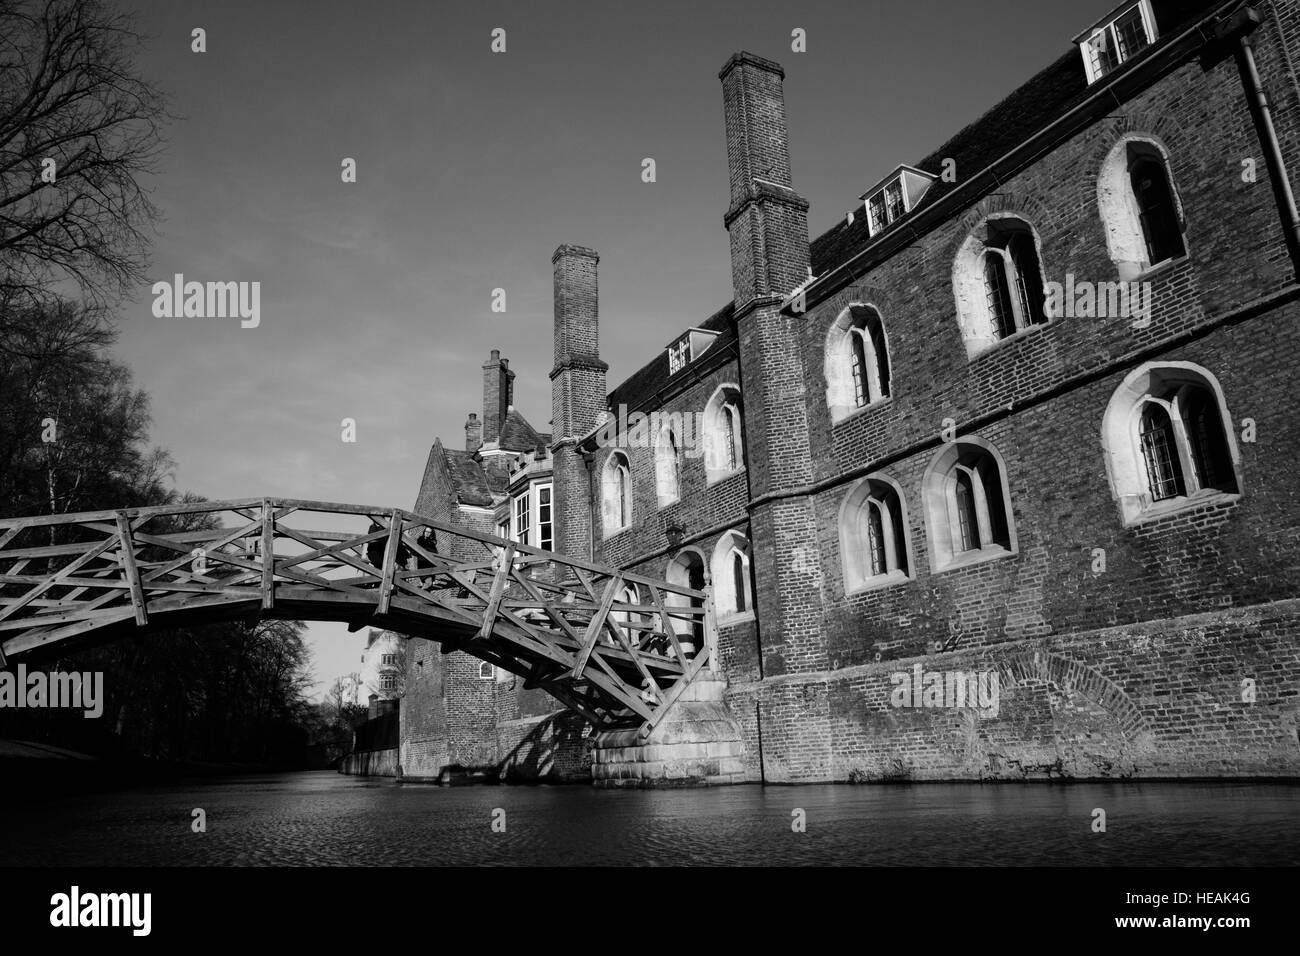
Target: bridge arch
point(562, 624)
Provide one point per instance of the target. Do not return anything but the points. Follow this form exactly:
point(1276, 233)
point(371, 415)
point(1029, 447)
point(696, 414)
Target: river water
point(323, 818)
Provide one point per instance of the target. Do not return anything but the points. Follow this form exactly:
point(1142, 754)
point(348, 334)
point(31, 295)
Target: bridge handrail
point(332, 507)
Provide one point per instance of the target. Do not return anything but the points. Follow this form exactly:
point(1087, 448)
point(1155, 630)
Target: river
point(323, 818)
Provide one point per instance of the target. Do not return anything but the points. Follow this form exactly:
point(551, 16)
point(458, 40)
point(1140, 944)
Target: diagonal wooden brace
point(129, 568)
point(597, 625)
point(390, 561)
point(498, 590)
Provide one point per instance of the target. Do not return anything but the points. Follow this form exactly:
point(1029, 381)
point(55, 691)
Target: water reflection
point(322, 819)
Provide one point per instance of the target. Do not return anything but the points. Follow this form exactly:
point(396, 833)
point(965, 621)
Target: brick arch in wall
point(864, 293)
point(1077, 677)
point(1009, 202)
point(1163, 127)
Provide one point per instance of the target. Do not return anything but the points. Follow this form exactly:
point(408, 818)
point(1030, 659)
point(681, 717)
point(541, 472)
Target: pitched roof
point(518, 435)
point(1031, 107)
point(467, 477)
point(653, 376)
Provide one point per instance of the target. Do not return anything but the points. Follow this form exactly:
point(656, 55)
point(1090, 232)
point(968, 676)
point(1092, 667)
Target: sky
point(472, 166)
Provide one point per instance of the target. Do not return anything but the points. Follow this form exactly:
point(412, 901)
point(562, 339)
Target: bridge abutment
point(698, 743)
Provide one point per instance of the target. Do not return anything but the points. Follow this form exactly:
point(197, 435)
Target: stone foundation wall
point(1162, 699)
point(553, 748)
point(371, 763)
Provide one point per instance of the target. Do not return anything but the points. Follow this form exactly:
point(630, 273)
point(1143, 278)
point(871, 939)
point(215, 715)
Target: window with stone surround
point(733, 593)
point(1168, 441)
point(1139, 207)
point(997, 281)
point(629, 595)
point(724, 449)
point(856, 361)
point(616, 493)
point(687, 569)
point(967, 505)
point(668, 465)
point(874, 537)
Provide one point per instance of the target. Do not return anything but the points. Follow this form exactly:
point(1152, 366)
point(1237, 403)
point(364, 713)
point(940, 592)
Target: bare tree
point(75, 430)
point(72, 109)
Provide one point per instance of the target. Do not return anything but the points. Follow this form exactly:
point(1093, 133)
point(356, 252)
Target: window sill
point(1174, 506)
point(1016, 336)
point(846, 414)
point(740, 618)
point(615, 532)
point(967, 558)
point(716, 478)
point(877, 582)
point(668, 503)
point(1147, 273)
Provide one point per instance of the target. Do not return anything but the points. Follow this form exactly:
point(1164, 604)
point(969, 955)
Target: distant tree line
point(78, 129)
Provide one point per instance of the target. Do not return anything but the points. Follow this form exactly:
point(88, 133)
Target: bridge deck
point(561, 623)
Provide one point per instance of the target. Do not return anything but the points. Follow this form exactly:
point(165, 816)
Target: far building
point(382, 672)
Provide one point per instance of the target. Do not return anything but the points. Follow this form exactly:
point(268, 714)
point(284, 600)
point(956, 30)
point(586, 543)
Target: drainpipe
point(1257, 100)
point(589, 459)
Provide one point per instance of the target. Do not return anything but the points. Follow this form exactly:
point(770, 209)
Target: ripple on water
point(324, 819)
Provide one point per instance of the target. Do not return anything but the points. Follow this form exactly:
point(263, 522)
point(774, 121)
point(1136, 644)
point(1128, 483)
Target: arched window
point(1139, 207)
point(874, 538)
point(732, 591)
point(626, 619)
point(998, 283)
point(724, 449)
point(668, 465)
point(1167, 442)
point(1027, 270)
point(967, 505)
point(616, 493)
point(687, 570)
point(857, 361)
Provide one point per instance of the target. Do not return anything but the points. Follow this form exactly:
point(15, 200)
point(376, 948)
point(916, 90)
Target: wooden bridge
point(564, 625)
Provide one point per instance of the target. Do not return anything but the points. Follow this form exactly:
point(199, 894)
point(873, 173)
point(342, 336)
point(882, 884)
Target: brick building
point(1015, 418)
point(382, 675)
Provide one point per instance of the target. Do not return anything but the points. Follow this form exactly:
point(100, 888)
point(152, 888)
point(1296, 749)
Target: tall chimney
point(767, 219)
point(577, 392)
point(768, 224)
point(473, 432)
point(498, 394)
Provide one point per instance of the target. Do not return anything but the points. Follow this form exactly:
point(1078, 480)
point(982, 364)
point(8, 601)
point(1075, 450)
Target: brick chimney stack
point(767, 219)
point(577, 391)
point(473, 432)
point(498, 395)
point(768, 224)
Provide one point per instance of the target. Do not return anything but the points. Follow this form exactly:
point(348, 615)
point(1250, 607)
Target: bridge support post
point(698, 742)
point(268, 555)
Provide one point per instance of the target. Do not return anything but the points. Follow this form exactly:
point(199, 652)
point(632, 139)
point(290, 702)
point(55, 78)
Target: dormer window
point(894, 197)
point(688, 347)
point(1116, 39)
